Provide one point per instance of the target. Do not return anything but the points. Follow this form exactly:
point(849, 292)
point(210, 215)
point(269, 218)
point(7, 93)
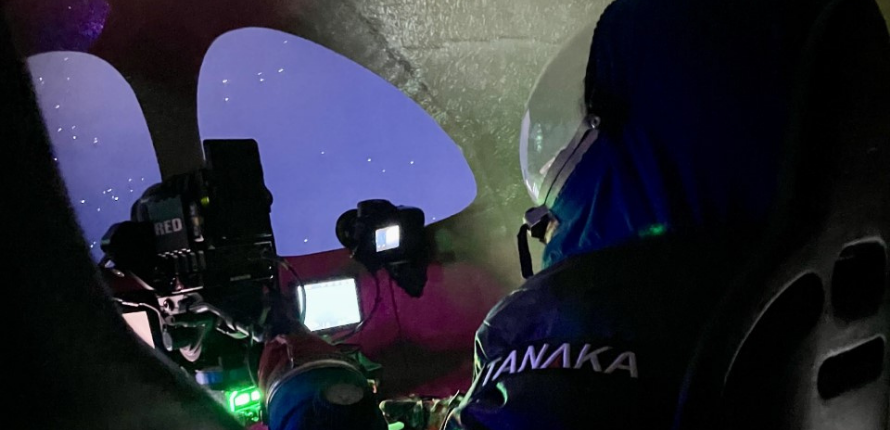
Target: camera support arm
point(228, 325)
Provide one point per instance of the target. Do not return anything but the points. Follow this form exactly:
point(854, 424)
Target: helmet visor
point(553, 113)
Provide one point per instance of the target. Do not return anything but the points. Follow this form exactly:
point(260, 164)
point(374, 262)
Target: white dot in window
point(58, 106)
point(305, 240)
point(280, 70)
point(260, 74)
point(434, 218)
point(55, 159)
point(369, 160)
point(83, 202)
point(226, 99)
point(98, 209)
point(116, 198)
point(65, 59)
point(59, 130)
point(142, 179)
point(225, 81)
point(96, 140)
point(130, 180)
point(384, 170)
point(67, 78)
point(73, 127)
point(262, 80)
point(285, 42)
point(40, 79)
point(412, 162)
point(322, 152)
point(73, 137)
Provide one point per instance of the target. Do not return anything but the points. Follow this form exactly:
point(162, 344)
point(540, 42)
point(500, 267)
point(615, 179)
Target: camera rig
point(201, 246)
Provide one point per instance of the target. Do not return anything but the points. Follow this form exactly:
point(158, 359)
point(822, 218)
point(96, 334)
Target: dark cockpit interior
point(303, 214)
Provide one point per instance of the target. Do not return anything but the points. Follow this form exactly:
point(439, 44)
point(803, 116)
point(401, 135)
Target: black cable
point(525, 257)
point(249, 365)
point(290, 268)
point(141, 305)
point(395, 311)
point(358, 327)
point(301, 286)
point(254, 379)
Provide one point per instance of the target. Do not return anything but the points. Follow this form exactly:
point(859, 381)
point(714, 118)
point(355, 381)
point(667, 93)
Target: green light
point(232, 401)
point(241, 400)
point(653, 230)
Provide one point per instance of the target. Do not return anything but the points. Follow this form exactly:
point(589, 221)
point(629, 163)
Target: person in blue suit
point(670, 146)
point(668, 142)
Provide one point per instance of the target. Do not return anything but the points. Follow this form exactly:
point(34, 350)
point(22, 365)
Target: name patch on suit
point(601, 359)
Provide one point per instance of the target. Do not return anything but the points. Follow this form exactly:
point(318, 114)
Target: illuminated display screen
point(138, 321)
point(332, 304)
point(388, 238)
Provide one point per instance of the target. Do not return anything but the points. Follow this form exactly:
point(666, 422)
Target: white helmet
point(556, 121)
point(556, 132)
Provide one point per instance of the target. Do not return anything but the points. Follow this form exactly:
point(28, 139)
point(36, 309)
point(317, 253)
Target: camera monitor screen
point(388, 238)
point(138, 321)
point(332, 304)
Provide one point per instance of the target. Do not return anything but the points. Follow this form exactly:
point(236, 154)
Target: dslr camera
point(381, 235)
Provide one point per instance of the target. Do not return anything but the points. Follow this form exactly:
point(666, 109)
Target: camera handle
point(228, 325)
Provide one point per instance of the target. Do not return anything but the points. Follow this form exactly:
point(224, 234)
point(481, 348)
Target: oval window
point(99, 138)
point(330, 132)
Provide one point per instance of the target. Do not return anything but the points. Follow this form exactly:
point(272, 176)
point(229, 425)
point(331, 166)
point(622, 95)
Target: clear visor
point(553, 113)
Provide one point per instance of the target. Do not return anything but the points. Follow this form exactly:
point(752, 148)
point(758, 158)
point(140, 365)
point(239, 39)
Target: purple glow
point(99, 138)
point(331, 134)
point(58, 25)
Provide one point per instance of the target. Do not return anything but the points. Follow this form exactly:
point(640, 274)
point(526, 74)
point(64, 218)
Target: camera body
point(207, 228)
point(201, 246)
point(382, 235)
